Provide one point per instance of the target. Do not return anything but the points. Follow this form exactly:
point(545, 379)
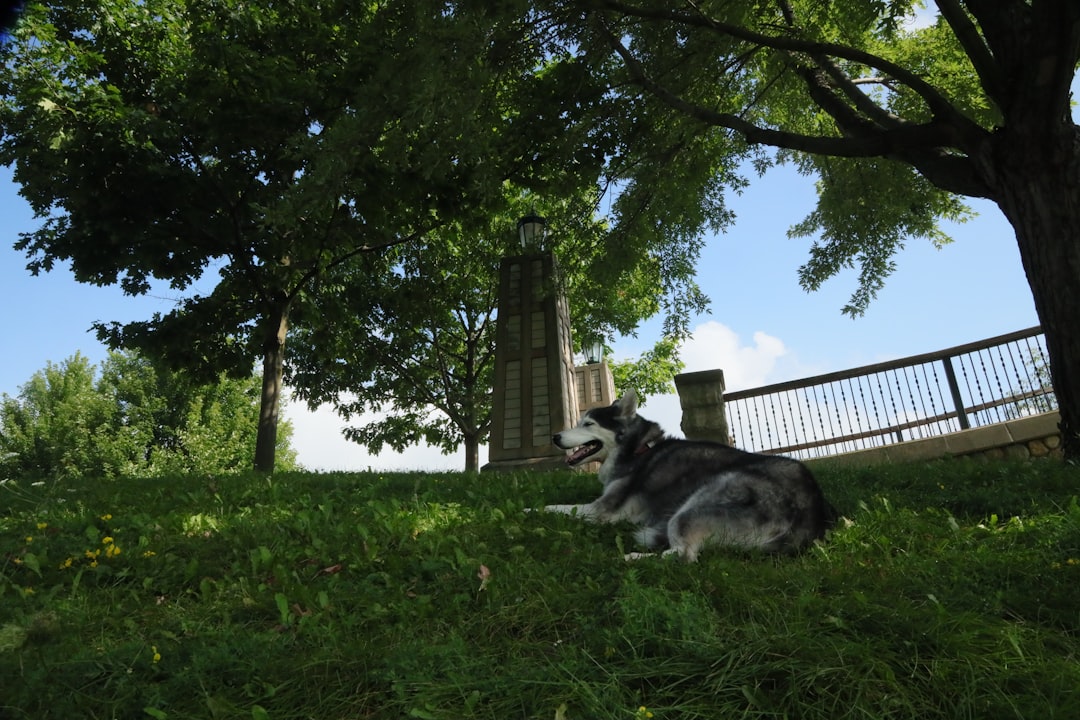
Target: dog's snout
point(556, 438)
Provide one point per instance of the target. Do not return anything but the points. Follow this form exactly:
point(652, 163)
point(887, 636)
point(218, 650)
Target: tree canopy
point(241, 151)
point(277, 146)
point(899, 116)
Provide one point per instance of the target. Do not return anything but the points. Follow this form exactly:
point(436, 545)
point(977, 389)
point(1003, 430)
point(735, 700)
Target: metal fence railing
point(981, 383)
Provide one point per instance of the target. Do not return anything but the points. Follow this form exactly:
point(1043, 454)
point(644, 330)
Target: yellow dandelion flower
point(157, 655)
point(42, 526)
point(92, 554)
point(67, 563)
point(93, 563)
point(106, 517)
point(1072, 561)
point(29, 539)
point(149, 554)
point(17, 561)
point(28, 591)
point(107, 540)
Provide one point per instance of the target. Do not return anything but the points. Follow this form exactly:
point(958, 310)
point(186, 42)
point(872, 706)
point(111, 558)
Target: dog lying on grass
point(687, 494)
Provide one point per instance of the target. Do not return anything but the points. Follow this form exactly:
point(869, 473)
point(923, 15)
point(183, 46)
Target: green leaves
point(887, 111)
point(651, 374)
point(867, 209)
point(134, 419)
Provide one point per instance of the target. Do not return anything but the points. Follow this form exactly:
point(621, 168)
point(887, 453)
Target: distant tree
point(898, 121)
point(134, 420)
point(51, 430)
point(184, 425)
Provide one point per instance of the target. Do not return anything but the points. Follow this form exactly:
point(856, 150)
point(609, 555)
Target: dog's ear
point(628, 404)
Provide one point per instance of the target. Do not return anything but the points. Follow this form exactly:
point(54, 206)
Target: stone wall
point(1029, 437)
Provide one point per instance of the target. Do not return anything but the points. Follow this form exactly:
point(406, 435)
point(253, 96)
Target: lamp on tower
point(594, 352)
point(531, 231)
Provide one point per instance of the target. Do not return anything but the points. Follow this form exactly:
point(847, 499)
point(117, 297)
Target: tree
point(415, 345)
point(51, 429)
point(249, 154)
point(410, 343)
point(168, 422)
point(134, 420)
point(261, 142)
point(897, 121)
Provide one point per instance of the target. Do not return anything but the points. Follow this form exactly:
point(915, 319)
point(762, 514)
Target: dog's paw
point(666, 555)
point(583, 511)
point(685, 553)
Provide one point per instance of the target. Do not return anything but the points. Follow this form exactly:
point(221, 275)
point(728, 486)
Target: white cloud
point(714, 346)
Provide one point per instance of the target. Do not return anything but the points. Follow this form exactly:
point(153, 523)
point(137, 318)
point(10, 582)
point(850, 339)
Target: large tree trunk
point(1038, 189)
point(277, 325)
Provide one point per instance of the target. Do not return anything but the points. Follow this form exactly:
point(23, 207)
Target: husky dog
point(686, 494)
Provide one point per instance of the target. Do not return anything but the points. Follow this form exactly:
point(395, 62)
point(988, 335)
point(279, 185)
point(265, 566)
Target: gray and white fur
point(688, 494)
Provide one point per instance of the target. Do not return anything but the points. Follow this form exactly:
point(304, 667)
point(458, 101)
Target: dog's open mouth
point(583, 451)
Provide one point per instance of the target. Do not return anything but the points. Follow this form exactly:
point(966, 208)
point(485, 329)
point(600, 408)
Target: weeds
point(949, 593)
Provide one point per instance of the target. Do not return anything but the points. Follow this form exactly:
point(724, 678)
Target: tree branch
point(861, 100)
point(938, 104)
point(882, 142)
point(953, 173)
point(975, 47)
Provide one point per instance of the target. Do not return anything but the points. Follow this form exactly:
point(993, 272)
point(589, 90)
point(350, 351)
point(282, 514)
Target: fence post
point(701, 395)
point(954, 388)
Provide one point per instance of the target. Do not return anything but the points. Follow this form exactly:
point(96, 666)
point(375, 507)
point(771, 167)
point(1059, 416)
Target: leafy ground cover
point(950, 592)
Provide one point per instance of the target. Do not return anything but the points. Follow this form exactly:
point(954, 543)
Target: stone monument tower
point(535, 394)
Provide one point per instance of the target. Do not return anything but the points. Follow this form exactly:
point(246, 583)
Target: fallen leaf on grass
point(485, 575)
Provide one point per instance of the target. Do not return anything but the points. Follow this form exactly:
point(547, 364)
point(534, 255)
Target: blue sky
point(763, 327)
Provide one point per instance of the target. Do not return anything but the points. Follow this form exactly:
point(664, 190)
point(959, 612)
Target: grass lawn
point(953, 591)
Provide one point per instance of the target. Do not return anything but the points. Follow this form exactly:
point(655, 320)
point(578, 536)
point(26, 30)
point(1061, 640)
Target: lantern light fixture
point(594, 352)
point(531, 231)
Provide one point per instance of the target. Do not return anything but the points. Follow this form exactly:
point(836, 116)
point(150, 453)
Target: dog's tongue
point(580, 453)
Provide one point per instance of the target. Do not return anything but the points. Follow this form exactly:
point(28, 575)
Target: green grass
point(951, 593)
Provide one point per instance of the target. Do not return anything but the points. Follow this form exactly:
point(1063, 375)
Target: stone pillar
point(701, 395)
point(595, 386)
point(534, 394)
